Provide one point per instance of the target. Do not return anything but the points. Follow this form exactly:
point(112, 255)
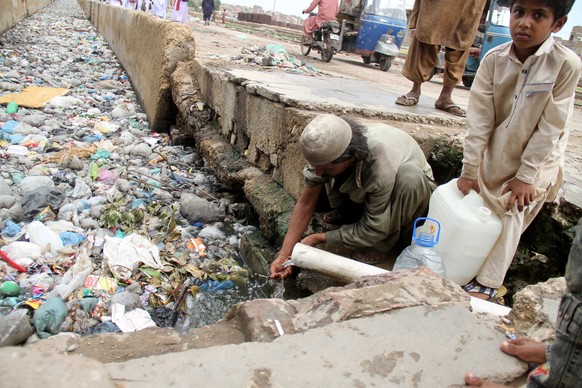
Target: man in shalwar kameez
point(327, 10)
point(449, 23)
point(180, 11)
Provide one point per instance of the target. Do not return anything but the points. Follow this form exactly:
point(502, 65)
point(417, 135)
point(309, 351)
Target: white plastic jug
point(468, 230)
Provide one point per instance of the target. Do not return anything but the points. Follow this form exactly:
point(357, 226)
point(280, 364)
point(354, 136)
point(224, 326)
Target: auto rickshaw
point(492, 33)
point(373, 29)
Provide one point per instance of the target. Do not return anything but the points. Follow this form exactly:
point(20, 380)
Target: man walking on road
point(436, 23)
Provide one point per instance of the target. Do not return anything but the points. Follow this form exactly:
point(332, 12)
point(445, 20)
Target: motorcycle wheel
point(305, 47)
point(385, 62)
point(366, 60)
point(468, 81)
point(327, 49)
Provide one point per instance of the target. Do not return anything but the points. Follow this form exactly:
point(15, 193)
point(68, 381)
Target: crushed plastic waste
point(91, 205)
point(270, 55)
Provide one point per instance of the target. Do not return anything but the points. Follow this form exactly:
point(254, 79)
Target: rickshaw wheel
point(468, 81)
point(385, 62)
point(366, 60)
point(305, 47)
point(327, 50)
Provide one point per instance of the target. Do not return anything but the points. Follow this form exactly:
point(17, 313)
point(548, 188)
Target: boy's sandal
point(492, 293)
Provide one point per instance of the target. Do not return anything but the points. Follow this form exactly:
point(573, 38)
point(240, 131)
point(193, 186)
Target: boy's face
point(531, 23)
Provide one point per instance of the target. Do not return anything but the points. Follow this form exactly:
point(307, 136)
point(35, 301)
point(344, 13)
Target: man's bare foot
point(449, 106)
point(525, 349)
point(473, 381)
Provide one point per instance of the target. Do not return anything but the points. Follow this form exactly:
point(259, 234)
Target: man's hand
point(521, 192)
point(314, 239)
point(276, 271)
point(465, 185)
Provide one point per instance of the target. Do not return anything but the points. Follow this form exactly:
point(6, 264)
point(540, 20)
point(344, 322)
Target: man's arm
point(375, 222)
point(552, 125)
point(302, 213)
point(481, 120)
point(312, 6)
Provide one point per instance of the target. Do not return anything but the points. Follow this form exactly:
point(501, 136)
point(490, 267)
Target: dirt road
point(227, 41)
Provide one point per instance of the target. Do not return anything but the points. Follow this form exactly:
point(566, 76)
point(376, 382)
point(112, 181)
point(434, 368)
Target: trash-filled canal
point(105, 225)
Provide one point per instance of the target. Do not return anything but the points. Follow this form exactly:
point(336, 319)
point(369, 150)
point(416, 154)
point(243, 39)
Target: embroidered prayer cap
point(325, 139)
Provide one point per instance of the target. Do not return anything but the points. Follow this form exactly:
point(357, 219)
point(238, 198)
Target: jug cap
point(426, 239)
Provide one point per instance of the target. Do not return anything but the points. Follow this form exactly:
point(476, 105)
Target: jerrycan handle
point(438, 236)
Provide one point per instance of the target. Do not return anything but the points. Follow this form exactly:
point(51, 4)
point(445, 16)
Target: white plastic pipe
point(348, 270)
point(337, 267)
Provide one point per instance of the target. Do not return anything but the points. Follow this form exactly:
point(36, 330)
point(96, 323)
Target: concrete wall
point(149, 49)
point(13, 11)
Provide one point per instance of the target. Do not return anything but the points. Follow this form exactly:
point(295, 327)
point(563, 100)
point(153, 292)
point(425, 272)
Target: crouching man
point(373, 178)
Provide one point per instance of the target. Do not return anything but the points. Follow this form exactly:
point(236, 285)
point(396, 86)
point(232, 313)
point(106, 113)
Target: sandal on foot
point(407, 101)
point(453, 109)
point(490, 292)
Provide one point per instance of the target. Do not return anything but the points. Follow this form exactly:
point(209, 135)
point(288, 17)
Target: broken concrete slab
point(419, 346)
point(535, 309)
point(25, 367)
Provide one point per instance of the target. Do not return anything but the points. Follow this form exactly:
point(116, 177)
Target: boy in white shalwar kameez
point(519, 115)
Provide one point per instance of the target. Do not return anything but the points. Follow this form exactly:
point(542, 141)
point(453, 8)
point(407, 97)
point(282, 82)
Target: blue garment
point(207, 8)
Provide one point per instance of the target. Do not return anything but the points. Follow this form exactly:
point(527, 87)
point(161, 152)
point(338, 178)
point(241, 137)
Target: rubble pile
point(269, 56)
point(105, 225)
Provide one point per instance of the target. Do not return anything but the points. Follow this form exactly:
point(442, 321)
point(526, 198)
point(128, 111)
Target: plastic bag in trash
point(164, 316)
point(123, 256)
point(44, 237)
point(36, 200)
point(11, 229)
point(48, 317)
point(72, 238)
point(105, 327)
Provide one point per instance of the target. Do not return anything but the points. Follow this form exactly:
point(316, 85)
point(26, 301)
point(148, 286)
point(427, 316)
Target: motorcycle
point(325, 40)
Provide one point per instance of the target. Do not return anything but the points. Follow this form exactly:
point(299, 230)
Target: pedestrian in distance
point(374, 181)
point(207, 11)
point(520, 108)
point(159, 8)
point(180, 11)
point(437, 23)
point(223, 16)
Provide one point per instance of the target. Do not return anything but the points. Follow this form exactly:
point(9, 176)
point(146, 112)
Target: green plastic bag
point(47, 319)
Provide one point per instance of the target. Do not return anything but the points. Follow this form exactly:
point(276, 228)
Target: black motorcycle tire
point(468, 81)
point(385, 62)
point(367, 60)
point(305, 47)
point(327, 49)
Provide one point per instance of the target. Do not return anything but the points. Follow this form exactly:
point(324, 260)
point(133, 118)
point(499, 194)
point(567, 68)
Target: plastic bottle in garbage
point(422, 251)
point(11, 107)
